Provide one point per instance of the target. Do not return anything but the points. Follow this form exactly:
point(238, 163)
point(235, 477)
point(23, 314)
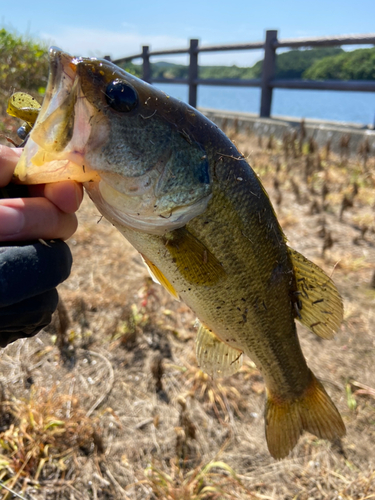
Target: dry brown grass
point(111, 404)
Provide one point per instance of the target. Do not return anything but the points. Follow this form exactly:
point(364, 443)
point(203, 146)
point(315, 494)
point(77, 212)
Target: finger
point(66, 195)
point(8, 161)
point(33, 218)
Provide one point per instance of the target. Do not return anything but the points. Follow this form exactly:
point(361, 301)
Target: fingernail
point(12, 221)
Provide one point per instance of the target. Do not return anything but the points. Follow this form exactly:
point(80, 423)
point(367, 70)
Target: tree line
point(309, 64)
point(24, 66)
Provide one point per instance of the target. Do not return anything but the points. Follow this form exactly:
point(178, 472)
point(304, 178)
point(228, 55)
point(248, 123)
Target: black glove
point(29, 274)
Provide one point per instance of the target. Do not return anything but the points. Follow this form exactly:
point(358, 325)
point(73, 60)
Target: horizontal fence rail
point(267, 82)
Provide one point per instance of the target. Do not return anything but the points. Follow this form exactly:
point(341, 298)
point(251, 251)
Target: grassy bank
point(109, 402)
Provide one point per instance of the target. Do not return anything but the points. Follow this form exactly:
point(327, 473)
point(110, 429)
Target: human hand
point(29, 274)
point(31, 270)
point(49, 211)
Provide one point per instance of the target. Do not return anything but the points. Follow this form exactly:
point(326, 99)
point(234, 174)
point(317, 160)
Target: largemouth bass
point(180, 192)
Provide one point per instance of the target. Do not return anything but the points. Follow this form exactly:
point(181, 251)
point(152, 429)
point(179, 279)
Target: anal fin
point(159, 278)
point(214, 356)
point(322, 309)
point(314, 412)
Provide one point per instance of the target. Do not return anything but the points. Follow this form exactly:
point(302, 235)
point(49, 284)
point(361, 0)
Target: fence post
point(146, 70)
point(193, 72)
point(268, 72)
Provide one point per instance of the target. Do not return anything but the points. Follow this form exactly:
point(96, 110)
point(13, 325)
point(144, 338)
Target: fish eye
point(121, 96)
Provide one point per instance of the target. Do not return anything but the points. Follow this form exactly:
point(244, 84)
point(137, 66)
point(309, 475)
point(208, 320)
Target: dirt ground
point(108, 402)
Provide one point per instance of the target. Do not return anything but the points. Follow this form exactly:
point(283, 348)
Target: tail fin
point(313, 412)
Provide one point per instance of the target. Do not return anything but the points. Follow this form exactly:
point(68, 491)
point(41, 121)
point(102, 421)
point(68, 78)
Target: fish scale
point(249, 270)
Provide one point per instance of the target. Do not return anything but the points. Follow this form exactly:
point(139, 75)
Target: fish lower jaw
point(45, 167)
point(123, 212)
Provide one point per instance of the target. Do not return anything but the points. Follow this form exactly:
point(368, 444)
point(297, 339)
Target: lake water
point(357, 107)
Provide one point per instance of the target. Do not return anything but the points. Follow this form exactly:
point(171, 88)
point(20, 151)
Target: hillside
point(291, 64)
point(310, 64)
point(294, 63)
point(356, 65)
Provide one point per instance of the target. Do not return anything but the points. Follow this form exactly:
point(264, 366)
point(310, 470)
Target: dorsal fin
point(321, 304)
point(215, 357)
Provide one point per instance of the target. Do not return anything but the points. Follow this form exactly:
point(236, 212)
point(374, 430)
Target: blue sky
point(120, 28)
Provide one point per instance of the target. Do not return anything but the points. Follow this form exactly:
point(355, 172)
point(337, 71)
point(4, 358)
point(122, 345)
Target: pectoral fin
point(321, 304)
point(159, 277)
point(214, 356)
point(194, 260)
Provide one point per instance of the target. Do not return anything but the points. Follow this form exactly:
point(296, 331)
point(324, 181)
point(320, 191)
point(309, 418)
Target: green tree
point(224, 72)
point(133, 69)
point(291, 64)
point(169, 70)
point(315, 64)
point(23, 65)
point(355, 65)
point(294, 63)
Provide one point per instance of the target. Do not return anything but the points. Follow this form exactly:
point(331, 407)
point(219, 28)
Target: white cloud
point(96, 42)
point(99, 43)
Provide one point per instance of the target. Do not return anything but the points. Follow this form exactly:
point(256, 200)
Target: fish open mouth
point(56, 146)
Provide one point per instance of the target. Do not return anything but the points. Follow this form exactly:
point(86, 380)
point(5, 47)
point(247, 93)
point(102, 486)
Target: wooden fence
point(267, 82)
